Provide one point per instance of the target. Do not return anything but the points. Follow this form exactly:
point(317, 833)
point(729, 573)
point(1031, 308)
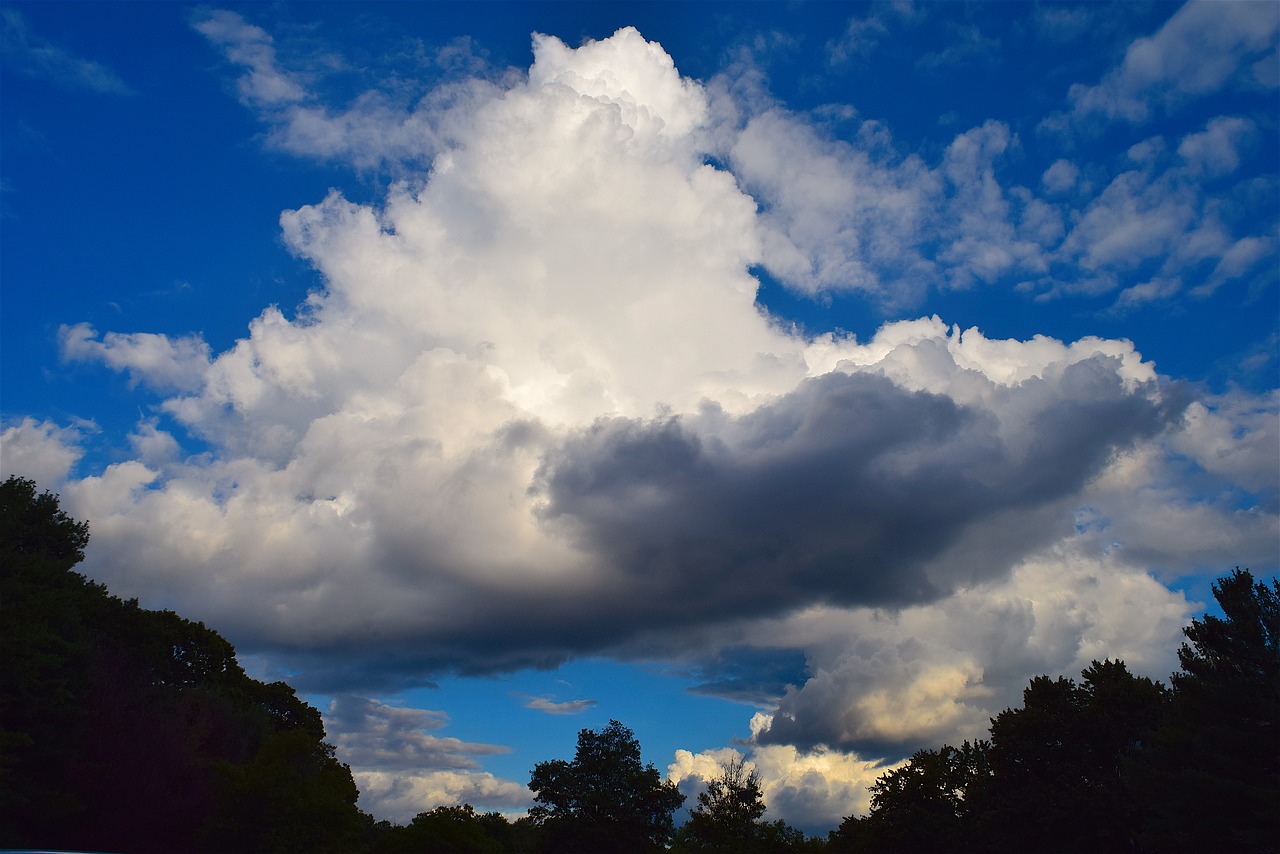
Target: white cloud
point(810, 789)
point(162, 363)
point(1156, 289)
point(265, 83)
point(41, 451)
point(398, 797)
point(882, 681)
point(1060, 177)
point(536, 412)
point(552, 707)
point(1216, 149)
point(1203, 47)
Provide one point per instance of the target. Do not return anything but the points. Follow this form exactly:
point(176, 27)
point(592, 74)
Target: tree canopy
point(605, 799)
point(1115, 762)
point(128, 729)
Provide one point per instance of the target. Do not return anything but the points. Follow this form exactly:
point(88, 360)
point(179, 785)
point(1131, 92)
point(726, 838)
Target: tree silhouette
point(727, 818)
point(1059, 758)
point(605, 799)
point(135, 730)
point(1209, 779)
point(927, 804)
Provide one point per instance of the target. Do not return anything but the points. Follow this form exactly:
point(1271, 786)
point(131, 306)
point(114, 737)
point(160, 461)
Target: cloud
point(392, 129)
point(861, 36)
point(265, 83)
point(403, 769)
point(33, 56)
point(400, 797)
point(551, 707)
point(162, 363)
point(536, 412)
point(41, 451)
point(368, 733)
point(1060, 177)
point(1216, 150)
point(881, 682)
point(1202, 48)
point(1152, 224)
point(813, 789)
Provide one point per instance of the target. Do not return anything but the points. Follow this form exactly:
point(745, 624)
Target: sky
point(788, 381)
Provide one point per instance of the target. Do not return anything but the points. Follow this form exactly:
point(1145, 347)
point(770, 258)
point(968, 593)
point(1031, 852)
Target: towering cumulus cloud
point(535, 411)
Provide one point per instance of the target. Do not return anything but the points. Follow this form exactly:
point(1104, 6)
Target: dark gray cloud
point(849, 490)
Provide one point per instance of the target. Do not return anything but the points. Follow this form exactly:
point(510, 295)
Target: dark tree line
point(1114, 762)
point(134, 730)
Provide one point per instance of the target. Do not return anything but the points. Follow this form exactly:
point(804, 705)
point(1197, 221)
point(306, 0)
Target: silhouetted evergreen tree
point(1209, 778)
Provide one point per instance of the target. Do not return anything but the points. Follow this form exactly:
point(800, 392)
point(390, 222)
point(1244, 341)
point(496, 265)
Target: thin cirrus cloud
point(35, 56)
point(535, 412)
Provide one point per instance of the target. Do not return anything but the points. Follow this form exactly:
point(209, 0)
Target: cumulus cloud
point(535, 411)
point(1161, 219)
point(882, 681)
point(400, 797)
point(162, 363)
point(814, 789)
point(42, 451)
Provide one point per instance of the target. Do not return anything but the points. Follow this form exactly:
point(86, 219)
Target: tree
point(1209, 778)
point(1050, 779)
point(605, 799)
point(1060, 756)
point(727, 818)
point(927, 804)
point(128, 729)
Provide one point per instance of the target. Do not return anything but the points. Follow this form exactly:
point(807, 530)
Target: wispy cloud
point(32, 55)
point(552, 707)
point(1202, 48)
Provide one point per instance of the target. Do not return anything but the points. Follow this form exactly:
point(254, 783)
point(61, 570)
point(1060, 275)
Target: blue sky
point(794, 380)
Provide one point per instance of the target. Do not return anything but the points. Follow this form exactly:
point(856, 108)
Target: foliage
point(1210, 777)
point(605, 799)
point(728, 814)
point(128, 729)
point(1060, 757)
point(925, 804)
point(729, 818)
point(1114, 763)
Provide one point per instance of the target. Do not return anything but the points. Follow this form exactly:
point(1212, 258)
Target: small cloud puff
point(551, 707)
